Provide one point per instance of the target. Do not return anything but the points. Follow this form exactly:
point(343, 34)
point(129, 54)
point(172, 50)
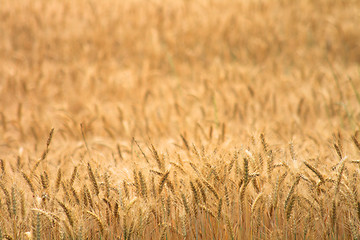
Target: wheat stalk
point(68, 213)
point(97, 219)
point(162, 181)
point(93, 179)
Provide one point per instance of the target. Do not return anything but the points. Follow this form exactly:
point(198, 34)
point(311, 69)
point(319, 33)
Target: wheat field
point(159, 119)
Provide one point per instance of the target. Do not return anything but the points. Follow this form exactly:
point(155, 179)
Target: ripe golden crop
point(203, 119)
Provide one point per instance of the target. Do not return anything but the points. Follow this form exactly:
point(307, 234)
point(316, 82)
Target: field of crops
point(181, 119)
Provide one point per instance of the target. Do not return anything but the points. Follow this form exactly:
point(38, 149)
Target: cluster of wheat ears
point(207, 193)
point(159, 119)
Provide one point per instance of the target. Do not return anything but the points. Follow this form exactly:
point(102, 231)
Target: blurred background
point(158, 69)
